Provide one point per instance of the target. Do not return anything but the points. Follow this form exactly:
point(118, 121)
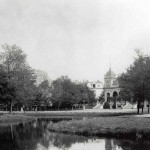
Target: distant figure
point(21, 109)
point(83, 107)
point(148, 107)
point(142, 105)
point(24, 108)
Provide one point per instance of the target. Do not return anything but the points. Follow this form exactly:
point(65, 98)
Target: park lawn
point(14, 118)
point(90, 112)
point(124, 127)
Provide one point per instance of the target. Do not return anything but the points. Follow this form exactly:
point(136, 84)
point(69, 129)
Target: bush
point(106, 105)
point(114, 106)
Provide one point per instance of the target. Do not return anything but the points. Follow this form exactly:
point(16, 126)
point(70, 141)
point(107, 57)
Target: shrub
point(106, 105)
point(114, 106)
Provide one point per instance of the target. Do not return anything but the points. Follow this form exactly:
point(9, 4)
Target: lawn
point(124, 127)
point(14, 118)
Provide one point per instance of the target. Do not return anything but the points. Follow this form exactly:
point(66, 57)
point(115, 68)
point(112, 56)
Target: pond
point(35, 136)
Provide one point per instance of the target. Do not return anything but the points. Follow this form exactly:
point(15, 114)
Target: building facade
point(111, 87)
point(97, 87)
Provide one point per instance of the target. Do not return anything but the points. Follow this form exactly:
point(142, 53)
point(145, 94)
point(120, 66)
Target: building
point(97, 87)
point(111, 87)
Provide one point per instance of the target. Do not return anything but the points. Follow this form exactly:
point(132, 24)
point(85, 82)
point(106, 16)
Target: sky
point(78, 38)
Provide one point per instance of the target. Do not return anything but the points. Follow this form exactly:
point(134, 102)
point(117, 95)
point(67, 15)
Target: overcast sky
point(77, 37)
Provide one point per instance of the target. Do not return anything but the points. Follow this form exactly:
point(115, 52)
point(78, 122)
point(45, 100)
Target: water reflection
point(35, 136)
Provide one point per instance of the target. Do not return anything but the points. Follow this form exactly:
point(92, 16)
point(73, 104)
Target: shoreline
point(115, 127)
point(18, 116)
point(87, 112)
point(14, 119)
point(114, 124)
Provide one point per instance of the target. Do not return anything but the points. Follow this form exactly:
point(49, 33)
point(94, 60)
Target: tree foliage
point(18, 88)
point(101, 98)
point(135, 82)
point(18, 75)
point(66, 93)
point(43, 94)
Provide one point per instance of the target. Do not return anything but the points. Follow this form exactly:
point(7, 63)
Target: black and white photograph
point(74, 74)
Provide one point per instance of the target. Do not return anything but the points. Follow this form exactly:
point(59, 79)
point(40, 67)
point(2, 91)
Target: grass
point(81, 113)
point(31, 115)
point(14, 118)
point(122, 127)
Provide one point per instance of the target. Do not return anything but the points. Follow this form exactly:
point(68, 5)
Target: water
point(35, 136)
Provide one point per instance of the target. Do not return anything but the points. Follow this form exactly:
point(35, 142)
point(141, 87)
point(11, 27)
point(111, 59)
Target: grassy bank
point(91, 112)
point(14, 118)
point(18, 116)
point(122, 127)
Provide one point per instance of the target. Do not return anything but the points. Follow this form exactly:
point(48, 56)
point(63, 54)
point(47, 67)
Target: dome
point(110, 74)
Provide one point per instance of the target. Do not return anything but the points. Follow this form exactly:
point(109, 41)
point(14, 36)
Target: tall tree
point(7, 89)
point(57, 91)
point(43, 94)
point(19, 75)
point(135, 82)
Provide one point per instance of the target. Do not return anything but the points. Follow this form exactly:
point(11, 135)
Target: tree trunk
point(142, 109)
point(142, 105)
point(138, 110)
point(138, 107)
point(58, 105)
point(11, 103)
point(36, 109)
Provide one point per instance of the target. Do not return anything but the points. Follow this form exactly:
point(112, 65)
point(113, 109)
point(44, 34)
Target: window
point(93, 85)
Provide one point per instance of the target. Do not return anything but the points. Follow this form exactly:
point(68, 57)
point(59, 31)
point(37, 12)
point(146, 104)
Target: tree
point(66, 93)
point(63, 92)
point(102, 97)
point(43, 94)
point(135, 82)
point(7, 90)
point(57, 92)
point(85, 95)
point(20, 76)
point(25, 87)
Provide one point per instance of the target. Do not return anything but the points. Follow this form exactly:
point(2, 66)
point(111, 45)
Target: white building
point(111, 87)
point(97, 87)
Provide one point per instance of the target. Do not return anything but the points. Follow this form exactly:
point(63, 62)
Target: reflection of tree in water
point(62, 140)
point(25, 136)
point(6, 140)
point(110, 144)
point(133, 145)
point(22, 137)
point(58, 139)
point(115, 144)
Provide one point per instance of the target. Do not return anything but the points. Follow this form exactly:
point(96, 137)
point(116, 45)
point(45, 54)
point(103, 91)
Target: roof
point(110, 74)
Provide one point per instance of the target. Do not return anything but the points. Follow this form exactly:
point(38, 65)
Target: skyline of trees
point(19, 76)
point(18, 86)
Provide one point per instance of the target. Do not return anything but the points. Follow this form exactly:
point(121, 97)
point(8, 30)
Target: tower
point(111, 86)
